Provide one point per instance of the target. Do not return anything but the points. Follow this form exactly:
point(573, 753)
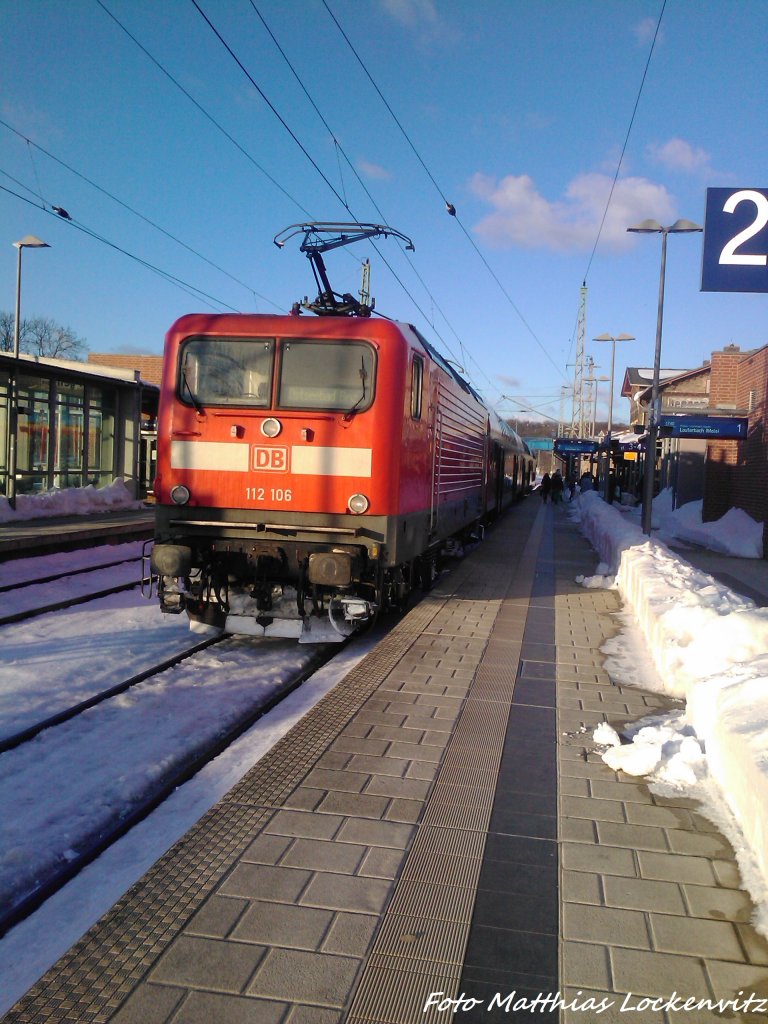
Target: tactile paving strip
point(98, 972)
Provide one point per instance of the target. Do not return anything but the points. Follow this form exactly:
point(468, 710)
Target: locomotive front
point(277, 472)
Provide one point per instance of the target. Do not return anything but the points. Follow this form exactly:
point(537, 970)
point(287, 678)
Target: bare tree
point(7, 321)
point(42, 336)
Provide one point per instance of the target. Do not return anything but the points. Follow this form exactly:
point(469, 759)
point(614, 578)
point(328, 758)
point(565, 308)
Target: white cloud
point(411, 13)
point(422, 19)
point(523, 217)
point(371, 170)
point(644, 31)
point(679, 155)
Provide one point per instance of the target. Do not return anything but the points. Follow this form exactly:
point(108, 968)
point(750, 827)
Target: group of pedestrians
point(553, 488)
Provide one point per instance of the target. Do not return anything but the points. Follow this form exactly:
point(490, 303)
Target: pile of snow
point(708, 646)
point(71, 501)
point(736, 533)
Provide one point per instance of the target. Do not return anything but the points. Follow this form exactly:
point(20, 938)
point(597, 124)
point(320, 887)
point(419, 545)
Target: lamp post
point(28, 242)
point(608, 337)
point(652, 227)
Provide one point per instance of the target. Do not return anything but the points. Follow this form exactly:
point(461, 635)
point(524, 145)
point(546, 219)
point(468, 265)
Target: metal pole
point(607, 473)
point(649, 470)
point(13, 387)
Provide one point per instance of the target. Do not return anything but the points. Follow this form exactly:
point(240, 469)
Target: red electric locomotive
point(311, 470)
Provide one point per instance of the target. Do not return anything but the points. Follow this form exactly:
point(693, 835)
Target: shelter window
point(69, 441)
point(332, 375)
point(227, 371)
point(101, 435)
point(33, 434)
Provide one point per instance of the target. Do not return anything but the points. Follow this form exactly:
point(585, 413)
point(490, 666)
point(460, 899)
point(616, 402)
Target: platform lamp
point(609, 337)
point(28, 242)
point(652, 227)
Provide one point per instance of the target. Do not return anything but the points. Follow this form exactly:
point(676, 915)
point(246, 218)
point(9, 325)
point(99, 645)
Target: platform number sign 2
point(735, 241)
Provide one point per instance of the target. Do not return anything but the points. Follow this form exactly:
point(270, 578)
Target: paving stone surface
point(441, 827)
point(650, 897)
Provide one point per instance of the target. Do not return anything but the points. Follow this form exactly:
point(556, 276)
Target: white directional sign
point(735, 241)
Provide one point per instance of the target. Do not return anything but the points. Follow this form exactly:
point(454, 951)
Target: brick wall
point(150, 367)
point(724, 378)
point(736, 474)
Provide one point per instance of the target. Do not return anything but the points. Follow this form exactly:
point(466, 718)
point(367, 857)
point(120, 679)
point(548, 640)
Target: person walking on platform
point(557, 487)
point(545, 487)
point(586, 482)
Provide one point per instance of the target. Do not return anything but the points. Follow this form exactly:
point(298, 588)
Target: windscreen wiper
point(363, 375)
point(195, 400)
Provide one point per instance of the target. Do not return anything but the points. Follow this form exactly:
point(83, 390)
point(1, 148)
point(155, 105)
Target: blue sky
point(518, 108)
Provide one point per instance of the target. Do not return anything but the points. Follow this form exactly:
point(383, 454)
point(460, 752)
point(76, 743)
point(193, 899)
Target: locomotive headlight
point(358, 503)
point(180, 494)
point(271, 427)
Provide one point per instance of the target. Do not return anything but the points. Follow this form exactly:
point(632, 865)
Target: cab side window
point(417, 380)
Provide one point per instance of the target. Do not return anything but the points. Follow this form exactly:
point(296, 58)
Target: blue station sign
point(726, 428)
point(574, 446)
point(735, 257)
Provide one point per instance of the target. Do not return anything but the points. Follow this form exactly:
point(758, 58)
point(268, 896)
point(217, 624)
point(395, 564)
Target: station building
point(737, 471)
point(724, 474)
point(77, 424)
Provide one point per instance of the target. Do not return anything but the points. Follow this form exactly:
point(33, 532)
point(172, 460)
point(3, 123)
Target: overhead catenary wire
point(619, 163)
point(227, 134)
point(295, 138)
point(269, 103)
point(185, 286)
point(343, 200)
point(626, 138)
point(340, 151)
point(449, 206)
point(133, 211)
point(204, 112)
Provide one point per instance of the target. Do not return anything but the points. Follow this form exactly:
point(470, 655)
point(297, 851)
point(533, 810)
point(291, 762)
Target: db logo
point(272, 459)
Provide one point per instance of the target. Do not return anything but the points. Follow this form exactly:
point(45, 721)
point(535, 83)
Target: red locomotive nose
point(315, 469)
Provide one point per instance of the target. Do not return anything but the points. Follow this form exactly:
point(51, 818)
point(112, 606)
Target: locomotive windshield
point(227, 371)
point(314, 375)
point(325, 375)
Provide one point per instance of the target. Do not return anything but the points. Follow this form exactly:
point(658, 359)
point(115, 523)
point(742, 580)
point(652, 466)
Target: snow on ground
point(41, 595)
point(736, 533)
point(23, 570)
point(72, 501)
point(30, 948)
point(50, 663)
point(709, 647)
point(97, 767)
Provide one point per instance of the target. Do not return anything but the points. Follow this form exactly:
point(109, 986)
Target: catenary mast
point(577, 417)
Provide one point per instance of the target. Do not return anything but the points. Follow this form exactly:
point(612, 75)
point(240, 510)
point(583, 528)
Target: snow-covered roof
point(641, 377)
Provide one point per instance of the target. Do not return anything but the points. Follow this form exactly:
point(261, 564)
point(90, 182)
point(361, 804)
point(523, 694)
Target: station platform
point(27, 537)
point(438, 839)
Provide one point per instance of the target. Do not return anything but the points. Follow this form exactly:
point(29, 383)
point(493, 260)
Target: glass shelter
point(77, 424)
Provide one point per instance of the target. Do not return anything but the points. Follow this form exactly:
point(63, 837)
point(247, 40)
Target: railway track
point(24, 589)
point(183, 768)
point(66, 573)
point(26, 735)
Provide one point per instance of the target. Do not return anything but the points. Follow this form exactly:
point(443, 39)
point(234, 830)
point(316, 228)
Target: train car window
point(445, 365)
point(417, 379)
point(337, 375)
point(226, 371)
